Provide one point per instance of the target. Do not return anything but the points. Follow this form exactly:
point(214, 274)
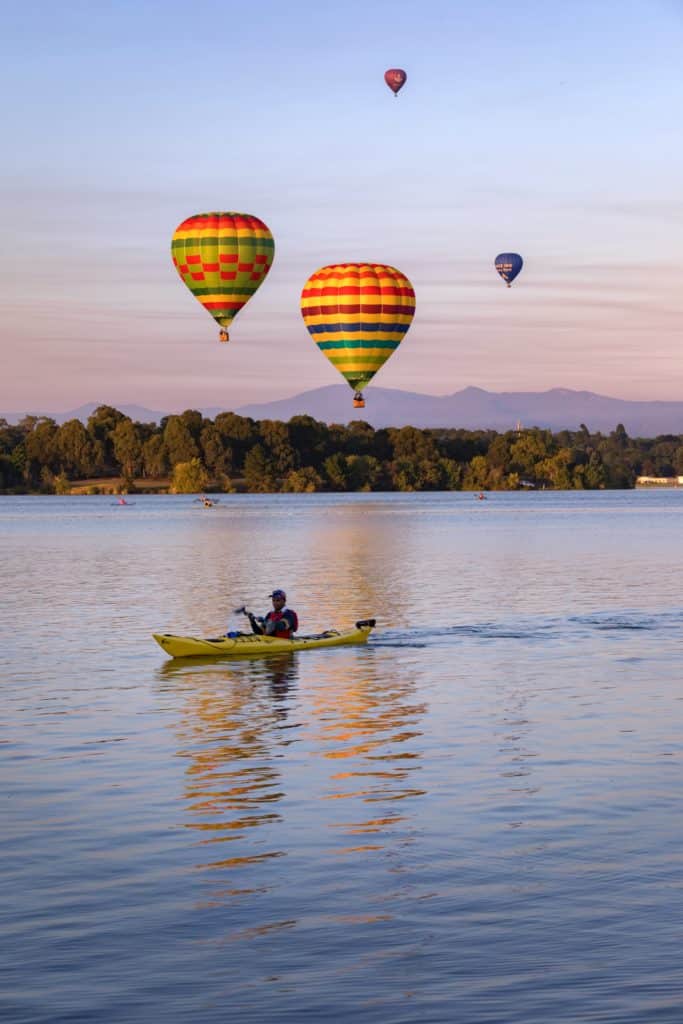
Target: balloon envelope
point(395, 79)
point(223, 259)
point(508, 265)
point(357, 314)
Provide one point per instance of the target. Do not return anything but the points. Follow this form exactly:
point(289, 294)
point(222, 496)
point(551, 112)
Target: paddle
point(255, 620)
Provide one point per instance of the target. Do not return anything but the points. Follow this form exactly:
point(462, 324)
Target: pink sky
point(577, 164)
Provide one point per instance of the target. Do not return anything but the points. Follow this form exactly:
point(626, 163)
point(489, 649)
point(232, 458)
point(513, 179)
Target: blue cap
point(278, 593)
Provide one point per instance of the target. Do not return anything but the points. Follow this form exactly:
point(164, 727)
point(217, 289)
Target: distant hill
point(471, 409)
point(136, 412)
point(474, 409)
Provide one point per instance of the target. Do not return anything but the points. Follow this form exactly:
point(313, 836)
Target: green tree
point(619, 438)
point(309, 439)
point(40, 447)
point(101, 425)
point(557, 470)
point(11, 436)
point(189, 477)
point(463, 445)
point(360, 438)
point(180, 444)
point(155, 462)
point(336, 470)
point(594, 476)
point(619, 471)
point(217, 454)
point(663, 452)
point(127, 448)
point(275, 439)
point(259, 474)
point(239, 434)
point(195, 423)
point(451, 474)
point(364, 472)
point(62, 484)
point(10, 474)
point(47, 480)
point(498, 454)
point(476, 474)
point(532, 447)
point(415, 463)
point(74, 450)
point(305, 480)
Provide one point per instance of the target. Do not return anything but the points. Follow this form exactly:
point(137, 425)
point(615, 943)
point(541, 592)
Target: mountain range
point(471, 409)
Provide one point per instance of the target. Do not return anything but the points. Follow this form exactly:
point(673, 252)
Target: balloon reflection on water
point(362, 723)
point(237, 722)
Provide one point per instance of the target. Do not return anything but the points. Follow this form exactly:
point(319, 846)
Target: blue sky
point(551, 130)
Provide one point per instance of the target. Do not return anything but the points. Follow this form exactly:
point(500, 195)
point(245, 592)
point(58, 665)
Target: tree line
point(191, 453)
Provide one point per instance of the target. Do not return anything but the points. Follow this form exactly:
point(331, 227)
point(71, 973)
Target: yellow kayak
point(250, 643)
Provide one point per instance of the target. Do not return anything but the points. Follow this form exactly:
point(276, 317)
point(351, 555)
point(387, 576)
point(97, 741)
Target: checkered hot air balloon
point(357, 314)
point(223, 259)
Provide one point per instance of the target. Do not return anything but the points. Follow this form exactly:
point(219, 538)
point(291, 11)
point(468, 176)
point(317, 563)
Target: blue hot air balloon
point(508, 265)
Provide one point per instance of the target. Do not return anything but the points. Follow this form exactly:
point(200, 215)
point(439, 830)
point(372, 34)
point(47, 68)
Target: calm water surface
point(478, 817)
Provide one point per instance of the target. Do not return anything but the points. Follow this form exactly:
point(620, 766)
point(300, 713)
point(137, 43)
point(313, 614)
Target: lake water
point(477, 818)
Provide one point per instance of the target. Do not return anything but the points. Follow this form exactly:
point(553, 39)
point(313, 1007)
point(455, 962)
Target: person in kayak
point(281, 622)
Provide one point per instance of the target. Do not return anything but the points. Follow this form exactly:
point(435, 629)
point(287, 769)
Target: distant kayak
point(249, 643)
point(123, 504)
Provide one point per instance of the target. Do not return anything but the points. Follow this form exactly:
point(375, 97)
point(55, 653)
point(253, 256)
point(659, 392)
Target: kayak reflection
point(307, 756)
point(229, 733)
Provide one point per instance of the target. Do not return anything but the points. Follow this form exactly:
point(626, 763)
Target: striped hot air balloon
point(223, 259)
point(357, 314)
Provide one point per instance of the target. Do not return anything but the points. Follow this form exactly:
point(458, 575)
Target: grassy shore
point(117, 485)
point(144, 485)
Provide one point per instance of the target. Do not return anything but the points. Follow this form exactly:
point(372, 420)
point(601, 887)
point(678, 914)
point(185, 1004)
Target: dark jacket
point(280, 624)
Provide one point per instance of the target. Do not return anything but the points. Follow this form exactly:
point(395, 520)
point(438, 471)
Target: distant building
point(659, 481)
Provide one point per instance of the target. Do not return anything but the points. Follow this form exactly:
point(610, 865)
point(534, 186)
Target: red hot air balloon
point(395, 79)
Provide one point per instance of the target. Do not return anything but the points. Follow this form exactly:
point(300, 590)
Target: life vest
point(289, 616)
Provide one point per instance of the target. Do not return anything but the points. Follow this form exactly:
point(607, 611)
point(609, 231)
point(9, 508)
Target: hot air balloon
point(223, 259)
point(357, 314)
point(395, 79)
point(508, 265)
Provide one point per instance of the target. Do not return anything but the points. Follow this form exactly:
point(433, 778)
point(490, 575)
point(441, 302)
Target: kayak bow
point(250, 643)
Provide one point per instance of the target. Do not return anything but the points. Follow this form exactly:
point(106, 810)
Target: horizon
point(119, 405)
point(472, 408)
point(575, 164)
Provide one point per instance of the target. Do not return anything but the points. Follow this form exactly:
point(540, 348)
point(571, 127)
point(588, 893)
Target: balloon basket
point(223, 337)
